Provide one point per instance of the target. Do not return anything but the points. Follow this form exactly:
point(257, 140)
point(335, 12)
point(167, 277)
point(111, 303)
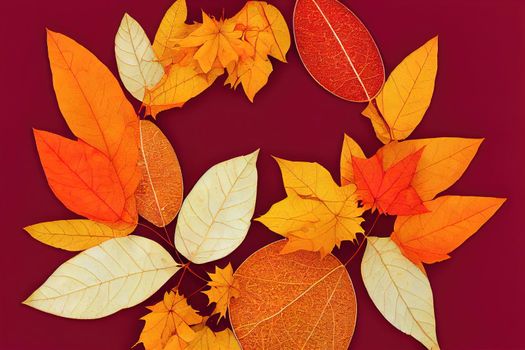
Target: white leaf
point(138, 66)
point(102, 280)
point(400, 290)
point(215, 216)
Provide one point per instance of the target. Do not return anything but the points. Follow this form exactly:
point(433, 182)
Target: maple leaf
point(430, 237)
point(171, 316)
point(388, 190)
point(222, 288)
point(317, 214)
point(206, 339)
point(291, 301)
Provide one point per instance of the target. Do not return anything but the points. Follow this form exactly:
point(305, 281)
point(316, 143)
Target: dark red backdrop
point(478, 293)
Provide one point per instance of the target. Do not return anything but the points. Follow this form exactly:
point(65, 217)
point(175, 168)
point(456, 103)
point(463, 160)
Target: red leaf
point(390, 190)
point(337, 50)
point(82, 177)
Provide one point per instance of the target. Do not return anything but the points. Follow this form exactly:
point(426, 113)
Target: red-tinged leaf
point(388, 190)
point(337, 50)
point(81, 176)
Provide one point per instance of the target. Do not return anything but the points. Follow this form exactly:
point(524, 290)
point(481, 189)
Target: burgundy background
point(479, 93)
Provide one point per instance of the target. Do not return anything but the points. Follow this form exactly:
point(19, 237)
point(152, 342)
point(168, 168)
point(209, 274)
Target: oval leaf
point(74, 235)
point(138, 66)
point(171, 29)
point(216, 214)
point(350, 149)
point(337, 50)
point(102, 280)
point(293, 301)
point(96, 111)
point(408, 91)
point(430, 237)
point(159, 194)
point(442, 163)
point(399, 290)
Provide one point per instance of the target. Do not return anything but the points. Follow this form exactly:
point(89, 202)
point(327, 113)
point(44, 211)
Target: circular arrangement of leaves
point(291, 294)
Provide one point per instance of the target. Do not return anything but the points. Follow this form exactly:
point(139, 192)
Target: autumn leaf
point(138, 66)
point(74, 235)
point(350, 149)
point(216, 39)
point(388, 189)
point(381, 128)
point(407, 93)
point(117, 274)
point(293, 301)
point(215, 216)
point(399, 290)
point(206, 339)
point(98, 113)
point(222, 288)
point(81, 177)
point(159, 194)
point(317, 214)
point(430, 237)
point(443, 162)
point(172, 29)
point(168, 318)
point(337, 50)
point(252, 73)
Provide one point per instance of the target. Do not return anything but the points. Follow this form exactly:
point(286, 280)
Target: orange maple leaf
point(388, 190)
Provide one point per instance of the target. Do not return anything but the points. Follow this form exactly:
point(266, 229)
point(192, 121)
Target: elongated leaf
point(408, 91)
point(430, 237)
point(443, 162)
point(102, 280)
point(81, 176)
point(159, 194)
point(74, 235)
point(381, 129)
point(293, 301)
point(337, 49)
point(216, 214)
point(171, 29)
point(138, 66)
point(96, 110)
point(399, 290)
point(350, 149)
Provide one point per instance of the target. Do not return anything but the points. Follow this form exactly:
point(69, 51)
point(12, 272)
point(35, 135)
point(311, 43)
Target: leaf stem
point(168, 241)
point(364, 239)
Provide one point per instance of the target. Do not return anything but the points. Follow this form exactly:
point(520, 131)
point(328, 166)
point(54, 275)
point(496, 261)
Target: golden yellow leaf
point(317, 214)
point(169, 317)
point(206, 339)
point(252, 73)
point(408, 90)
point(350, 149)
point(222, 288)
point(159, 194)
point(293, 301)
point(171, 29)
point(442, 163)
point(175, 343)
point(381, 129)
point(74, 235)
point(451, 220)
point(216, 39)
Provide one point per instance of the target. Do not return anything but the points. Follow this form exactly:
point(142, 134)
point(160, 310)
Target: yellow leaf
point(171, 29)
point(408, 90)
point(443, 162)
point(159, 194)
point(317, 214)
point(399, 290)
point(117, 274)
point(350, 149)
point(174, 343)
point(222, 289)
point(451, 220)
point(252, 73)
point(169, 317)
point(74, 235)
point(216, 40)
point(206, 339)
point(138, 66)
point(381, 129)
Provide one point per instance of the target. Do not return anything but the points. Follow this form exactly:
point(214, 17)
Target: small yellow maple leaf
point(206, 339)
point(317, 214)
point(222, 288)
point(171, 316)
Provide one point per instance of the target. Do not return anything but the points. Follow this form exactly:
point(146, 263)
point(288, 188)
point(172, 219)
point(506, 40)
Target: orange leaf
point(97, 112)
point(350, 149)
point(337, 49)
point(430, 237)
point(388, 190)
point(222, 289)
point(81, 176)
point(293, 301)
